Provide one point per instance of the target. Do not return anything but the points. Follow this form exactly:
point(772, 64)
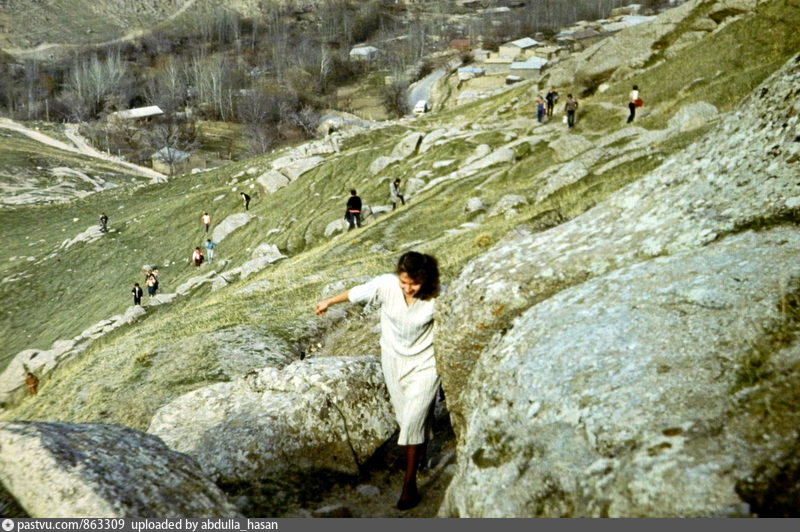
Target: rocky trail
point(80, 145)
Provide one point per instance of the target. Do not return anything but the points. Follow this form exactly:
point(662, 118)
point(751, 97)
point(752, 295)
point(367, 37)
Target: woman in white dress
point(409, 367)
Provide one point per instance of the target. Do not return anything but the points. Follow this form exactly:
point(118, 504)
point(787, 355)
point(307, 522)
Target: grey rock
point(230, 224)
point(332, 511)
point(412, 186)
point(407, 146)
point(567, 147)
point(321, 413)
point(267, 250)
point(69, 470)
point(428, 141)
point(615, 397)
point(507, 205)
point(272, 181)
point(481, 151)
point(298, 167)
point(474, 205)
point(381, 163)
point(368, 490)
point(693, 116)
point(339, 225)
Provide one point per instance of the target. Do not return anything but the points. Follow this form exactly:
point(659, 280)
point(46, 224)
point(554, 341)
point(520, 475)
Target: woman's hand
point(325, 304)
point(322, 308)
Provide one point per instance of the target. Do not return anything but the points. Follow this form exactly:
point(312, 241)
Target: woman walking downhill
point(409, 367)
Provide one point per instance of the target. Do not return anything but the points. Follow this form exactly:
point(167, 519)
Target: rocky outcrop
point(68, 470)
point(697, 207)
point(618, 397)
point(229, 225)
point(318, 414)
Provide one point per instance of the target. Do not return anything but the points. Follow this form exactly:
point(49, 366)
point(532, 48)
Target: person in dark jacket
point(246, 201)
point(137, 294)
point(352, 211)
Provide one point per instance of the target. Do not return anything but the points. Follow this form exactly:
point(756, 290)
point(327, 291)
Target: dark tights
point(410, 497)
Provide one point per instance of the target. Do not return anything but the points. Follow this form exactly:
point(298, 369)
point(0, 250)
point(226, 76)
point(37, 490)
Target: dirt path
point(79, 146)
point(36, 53)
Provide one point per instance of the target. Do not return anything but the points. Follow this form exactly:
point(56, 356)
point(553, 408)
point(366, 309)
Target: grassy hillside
point(125, 376)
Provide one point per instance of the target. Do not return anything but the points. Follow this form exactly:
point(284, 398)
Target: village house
point(521, 47)
point(172, 161)
point(531, 68)
point(364, 53)
point(577, 40)
point(137, 113)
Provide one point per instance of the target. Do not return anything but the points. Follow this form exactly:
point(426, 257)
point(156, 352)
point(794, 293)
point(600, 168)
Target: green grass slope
point(125, 376)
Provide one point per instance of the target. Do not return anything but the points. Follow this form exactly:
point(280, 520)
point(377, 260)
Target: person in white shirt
point(632, 97)
point(407, 300)
point(394, 193)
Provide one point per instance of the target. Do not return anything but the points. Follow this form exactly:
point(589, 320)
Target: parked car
point(422, 107)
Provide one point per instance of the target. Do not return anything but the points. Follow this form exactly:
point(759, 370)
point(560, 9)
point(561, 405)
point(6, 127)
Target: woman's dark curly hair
point(423, 269)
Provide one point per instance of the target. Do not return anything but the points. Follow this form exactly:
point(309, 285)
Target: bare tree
point(92, 81)
point(167, 87)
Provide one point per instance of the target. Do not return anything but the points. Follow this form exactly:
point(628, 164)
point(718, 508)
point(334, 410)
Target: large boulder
point(640, 393)
point(272, 181)
point(229, 225)
point(69, 470)
point(298, 167)
point(407, 146)
point(318, 414)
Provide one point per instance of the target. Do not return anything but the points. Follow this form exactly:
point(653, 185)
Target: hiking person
point(104, 223)
point(137, 294)
point(633, 102)
point(551, 98)
point(152, 285)
point(197, 257)
point(246, 201)
point(407, 302)
point(352, 212)
point(206, 219)
point(570, 107)
point(210, 250)
point(395, 194)
point(31, 382)
point(540, 109)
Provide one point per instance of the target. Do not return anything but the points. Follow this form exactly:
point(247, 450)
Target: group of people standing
point(546, 105)
point(352, 211)
point(150, 281)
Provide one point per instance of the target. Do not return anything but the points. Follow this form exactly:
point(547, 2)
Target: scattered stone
point(332, 511)
point(474, 205)
point(368, 490)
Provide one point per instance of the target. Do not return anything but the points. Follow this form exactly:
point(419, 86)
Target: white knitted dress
point(409, 366)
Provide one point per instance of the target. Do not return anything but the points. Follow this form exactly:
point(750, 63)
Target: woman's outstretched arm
point(323, 305)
